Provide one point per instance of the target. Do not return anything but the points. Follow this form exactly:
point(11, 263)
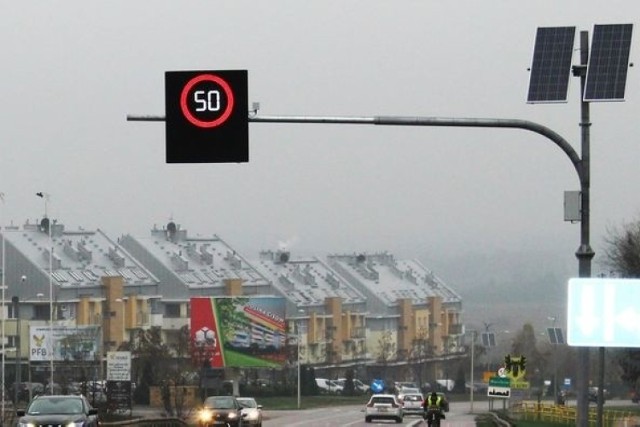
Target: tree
point(151, 360)
point(622, 257)
point(622, 250)
point(386, 351)
point(418, 356)
point(524, 344)
point(386, 348)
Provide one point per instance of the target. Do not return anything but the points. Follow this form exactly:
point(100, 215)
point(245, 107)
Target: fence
point(534, 411)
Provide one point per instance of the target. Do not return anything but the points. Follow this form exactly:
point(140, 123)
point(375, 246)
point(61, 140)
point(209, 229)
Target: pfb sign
point(39, 344)
point(39, 353)
point(63, 343)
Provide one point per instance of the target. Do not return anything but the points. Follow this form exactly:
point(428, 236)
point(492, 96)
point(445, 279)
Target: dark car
point(445, 402)
point(593, 395)
point(54, 410)
point(220, 411)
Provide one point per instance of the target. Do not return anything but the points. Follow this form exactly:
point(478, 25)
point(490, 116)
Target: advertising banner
point(238, 331)
point(68, 343)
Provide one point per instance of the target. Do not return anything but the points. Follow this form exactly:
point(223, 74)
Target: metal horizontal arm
point(416, 121)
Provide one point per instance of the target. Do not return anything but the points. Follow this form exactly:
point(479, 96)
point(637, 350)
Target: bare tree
point(386, 350)
point(622, 257)
point(420, 352)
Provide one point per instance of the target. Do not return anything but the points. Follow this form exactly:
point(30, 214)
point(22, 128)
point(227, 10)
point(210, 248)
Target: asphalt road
point(353, 416)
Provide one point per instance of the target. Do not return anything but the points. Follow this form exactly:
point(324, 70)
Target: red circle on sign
point(185, 108)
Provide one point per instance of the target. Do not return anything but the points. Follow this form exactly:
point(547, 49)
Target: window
point(41, 312)
point(172, 310)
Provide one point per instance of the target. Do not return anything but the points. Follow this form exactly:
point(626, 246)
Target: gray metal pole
point(473, 344)
point(581, 165)
point(15, 301)
point(584, 253)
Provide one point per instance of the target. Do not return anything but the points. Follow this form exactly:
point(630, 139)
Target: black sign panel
point(119, 394)
point(206, 116)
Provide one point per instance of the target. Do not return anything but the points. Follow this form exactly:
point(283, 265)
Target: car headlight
point(75, 424)
point(205, 415)
point(23, 424)
point(232, 415)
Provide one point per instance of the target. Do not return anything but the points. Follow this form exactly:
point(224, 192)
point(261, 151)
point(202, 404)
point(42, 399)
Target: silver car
point(413, 403)
point(251, 411)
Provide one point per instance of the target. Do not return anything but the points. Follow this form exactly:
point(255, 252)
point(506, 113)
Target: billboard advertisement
point(68, 343)
point(238, 331)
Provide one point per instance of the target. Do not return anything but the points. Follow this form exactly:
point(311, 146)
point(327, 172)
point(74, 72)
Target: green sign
point(500, 381)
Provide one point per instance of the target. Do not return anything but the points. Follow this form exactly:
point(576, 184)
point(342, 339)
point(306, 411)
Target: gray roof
point(388, 280)
point(79, 260)
point(191, 266)
point(307, 282)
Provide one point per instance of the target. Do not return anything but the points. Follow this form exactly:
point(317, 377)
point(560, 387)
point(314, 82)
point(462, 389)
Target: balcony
point(455, 329)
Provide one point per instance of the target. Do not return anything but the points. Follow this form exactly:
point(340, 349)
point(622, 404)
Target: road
point(353, 416)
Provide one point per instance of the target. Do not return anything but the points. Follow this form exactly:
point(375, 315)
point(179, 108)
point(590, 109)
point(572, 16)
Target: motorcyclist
point(433, 408)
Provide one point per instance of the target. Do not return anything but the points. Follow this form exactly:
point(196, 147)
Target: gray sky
point(73, 70)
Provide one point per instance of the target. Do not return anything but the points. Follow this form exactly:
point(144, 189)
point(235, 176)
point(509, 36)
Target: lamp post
point(46, 196)
point(473, 344)
point(298, 332)
point(4, 317)
point(298, 339)
point(15, 301)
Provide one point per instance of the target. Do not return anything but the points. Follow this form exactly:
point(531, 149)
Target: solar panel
point(551, 66)
point(555, 335)
point(608, 62)
point(488, 339)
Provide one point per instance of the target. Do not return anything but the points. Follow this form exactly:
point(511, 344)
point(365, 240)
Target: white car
point(409, 390)
point(328, 386)
point(358, 385)
point(251, 411)
point(383, 406)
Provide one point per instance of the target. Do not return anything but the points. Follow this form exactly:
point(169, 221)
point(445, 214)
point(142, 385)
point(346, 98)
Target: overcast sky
point(73, 70)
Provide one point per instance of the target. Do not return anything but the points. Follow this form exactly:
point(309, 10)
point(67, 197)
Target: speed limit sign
point(206, 116)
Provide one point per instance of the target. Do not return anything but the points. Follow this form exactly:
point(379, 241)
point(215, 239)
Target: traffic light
point(523, 363)
point(207, 116)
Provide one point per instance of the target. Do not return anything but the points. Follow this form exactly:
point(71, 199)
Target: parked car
point(383, 406)
point(358, 385)
point(328, 386)
point(445, 401)
point(593, 395)
point(220, 411)
point(54, 410)
point(399, 385)
point(412, 403)
point(251, 411)
point(409, 390)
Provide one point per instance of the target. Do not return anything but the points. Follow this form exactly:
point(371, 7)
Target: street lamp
point(46, 196)
point(4, 317)
point(298, 339)
point(473, 344)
